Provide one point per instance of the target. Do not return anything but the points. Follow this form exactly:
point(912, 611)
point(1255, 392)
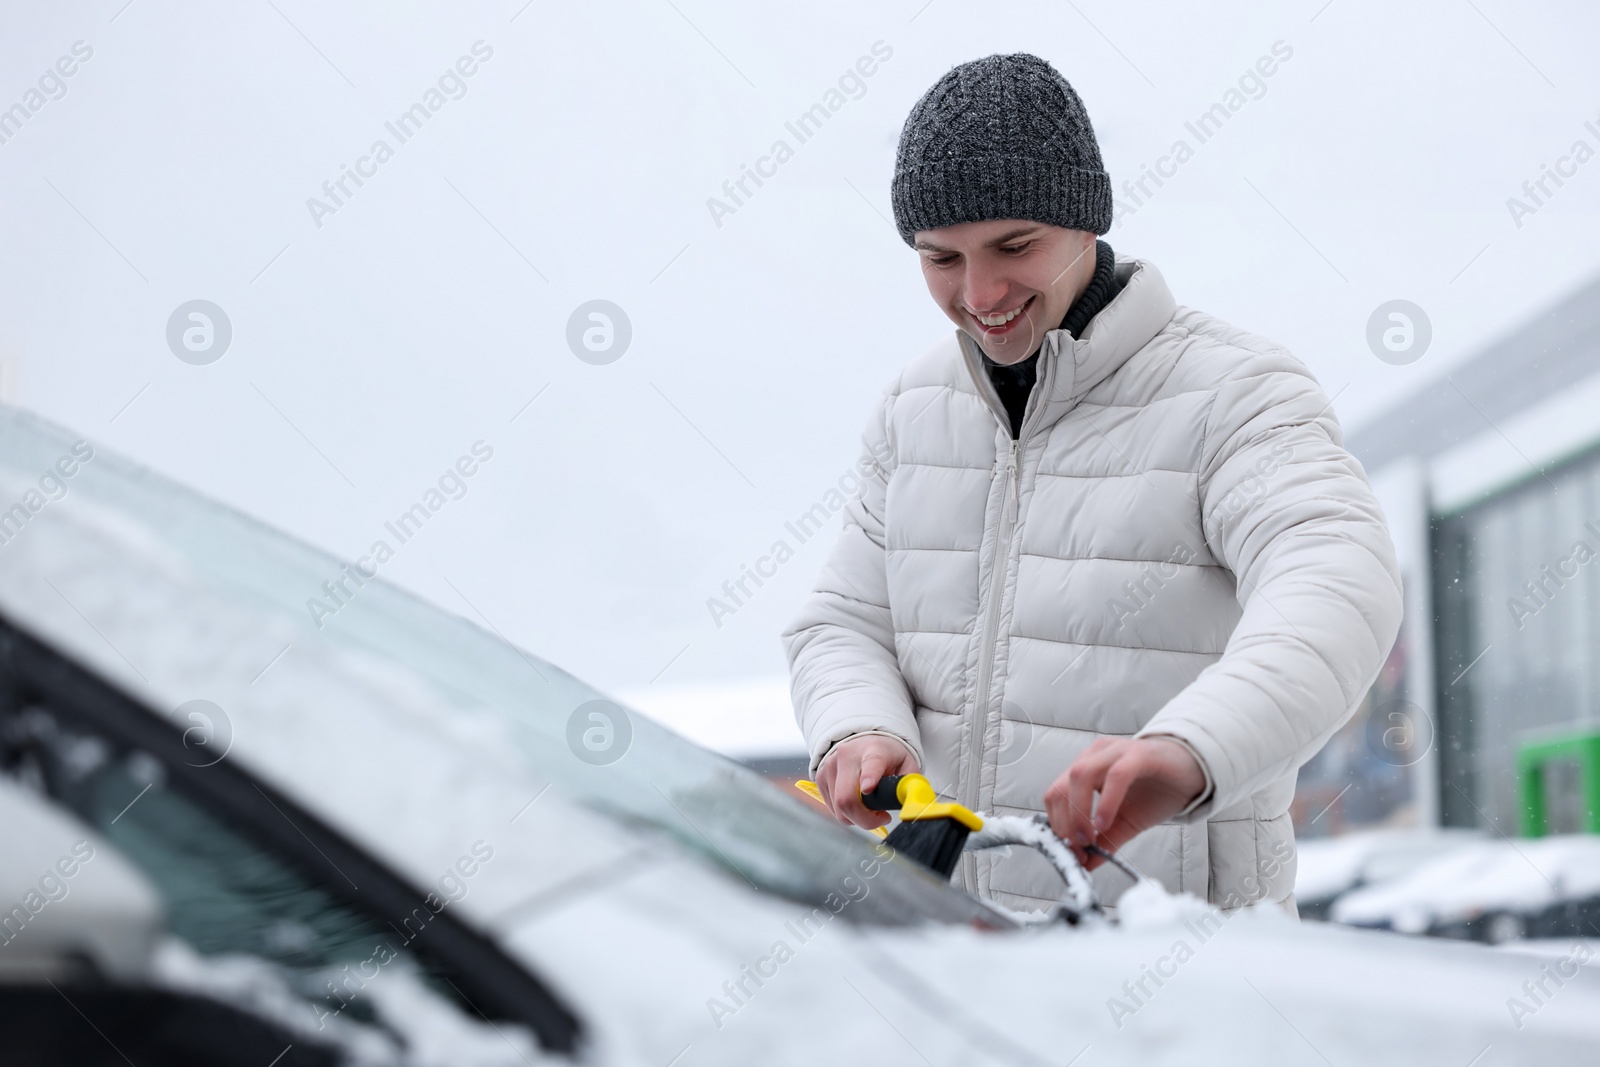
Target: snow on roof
point(743, 719)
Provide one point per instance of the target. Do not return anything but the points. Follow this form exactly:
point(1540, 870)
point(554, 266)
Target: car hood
point(684, 966)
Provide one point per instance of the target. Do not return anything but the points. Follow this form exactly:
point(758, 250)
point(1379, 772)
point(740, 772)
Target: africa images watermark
point(1164, 968)
point(53, 885)
point(599, 732)
point(1399, 332)
point(1538, 191)
point(599, 332)
point(1559, 971)
point(451, 485)
point(739, 991)
point(803, 528)
point(199, 332)
point(852, 85)
point(1253, 488)
point(52, 487)
point(449, 887)
point(209, 736)
point(1252, 85)
point(52, 85)
point(1553, 577)
point(1153, 577)
point(336, 192)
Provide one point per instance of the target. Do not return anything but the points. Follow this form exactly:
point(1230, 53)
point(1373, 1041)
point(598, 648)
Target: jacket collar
point(1069, 368)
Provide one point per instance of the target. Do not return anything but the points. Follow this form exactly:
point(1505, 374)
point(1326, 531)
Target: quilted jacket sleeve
point(844, 674)
point(1291, 514)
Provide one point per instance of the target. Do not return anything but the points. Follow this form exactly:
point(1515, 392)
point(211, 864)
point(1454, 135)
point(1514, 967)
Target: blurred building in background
point(1490, 478)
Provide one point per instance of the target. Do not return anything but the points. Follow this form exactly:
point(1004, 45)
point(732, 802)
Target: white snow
point(1007, 830)
point(1556, 948)
point(439, 1034)
point(1146, 905)
point(1251, 988)
point(1330, 865)
point(1500, 875)
point(262, 988)
point(416, 771)
point(419, 1028)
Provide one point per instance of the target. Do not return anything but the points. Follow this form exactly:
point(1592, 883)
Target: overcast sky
point(377, 336)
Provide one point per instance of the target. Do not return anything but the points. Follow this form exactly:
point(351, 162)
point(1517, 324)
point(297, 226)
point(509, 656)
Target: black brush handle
point(884, 796)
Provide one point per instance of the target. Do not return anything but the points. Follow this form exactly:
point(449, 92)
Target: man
point(1117, 566)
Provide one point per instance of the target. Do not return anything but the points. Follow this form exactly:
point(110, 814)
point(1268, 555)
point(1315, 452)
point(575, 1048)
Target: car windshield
point(495, 696)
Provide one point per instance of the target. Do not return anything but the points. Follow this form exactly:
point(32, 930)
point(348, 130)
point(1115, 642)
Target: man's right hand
point(856, 766)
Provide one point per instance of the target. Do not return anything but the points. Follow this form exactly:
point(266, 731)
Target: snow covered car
point(395, 838)
point(1491, 890)
point(1330, 867)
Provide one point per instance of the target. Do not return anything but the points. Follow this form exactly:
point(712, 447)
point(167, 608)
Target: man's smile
point(1002, 322)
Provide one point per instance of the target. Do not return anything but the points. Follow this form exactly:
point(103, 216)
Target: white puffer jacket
point(1176, 544)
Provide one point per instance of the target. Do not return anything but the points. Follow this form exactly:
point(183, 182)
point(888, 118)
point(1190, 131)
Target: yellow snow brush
point(810, 789)
point(931, 831)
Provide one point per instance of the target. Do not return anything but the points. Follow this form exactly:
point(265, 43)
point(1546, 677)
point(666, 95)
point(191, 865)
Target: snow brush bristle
point(931, 832)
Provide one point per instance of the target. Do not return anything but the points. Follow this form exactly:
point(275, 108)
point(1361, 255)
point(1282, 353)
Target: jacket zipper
point(997, 584)
point(991, 622)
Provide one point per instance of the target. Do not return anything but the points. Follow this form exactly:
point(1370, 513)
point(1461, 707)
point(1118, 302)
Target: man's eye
point(1015, 250)
point(941, 261)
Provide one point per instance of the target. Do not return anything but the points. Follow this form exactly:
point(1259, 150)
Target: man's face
point(1006, 282)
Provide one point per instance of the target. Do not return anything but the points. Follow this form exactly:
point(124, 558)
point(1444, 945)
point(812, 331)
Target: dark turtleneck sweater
point(1015, 382)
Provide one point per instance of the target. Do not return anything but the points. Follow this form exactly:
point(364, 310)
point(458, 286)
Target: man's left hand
point(1142, 782)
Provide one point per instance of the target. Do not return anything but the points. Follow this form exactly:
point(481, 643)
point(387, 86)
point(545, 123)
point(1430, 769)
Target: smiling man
point(1117, 565)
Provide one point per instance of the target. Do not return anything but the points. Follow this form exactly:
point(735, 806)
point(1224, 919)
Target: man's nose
point(985, 289)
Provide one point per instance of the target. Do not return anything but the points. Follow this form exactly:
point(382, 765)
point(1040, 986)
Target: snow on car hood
point(750, 979)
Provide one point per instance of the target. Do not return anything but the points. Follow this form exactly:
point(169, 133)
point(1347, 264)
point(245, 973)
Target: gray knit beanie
point(1003, 137)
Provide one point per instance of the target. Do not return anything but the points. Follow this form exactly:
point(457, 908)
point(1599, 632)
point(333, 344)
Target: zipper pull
point(1011, 488)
